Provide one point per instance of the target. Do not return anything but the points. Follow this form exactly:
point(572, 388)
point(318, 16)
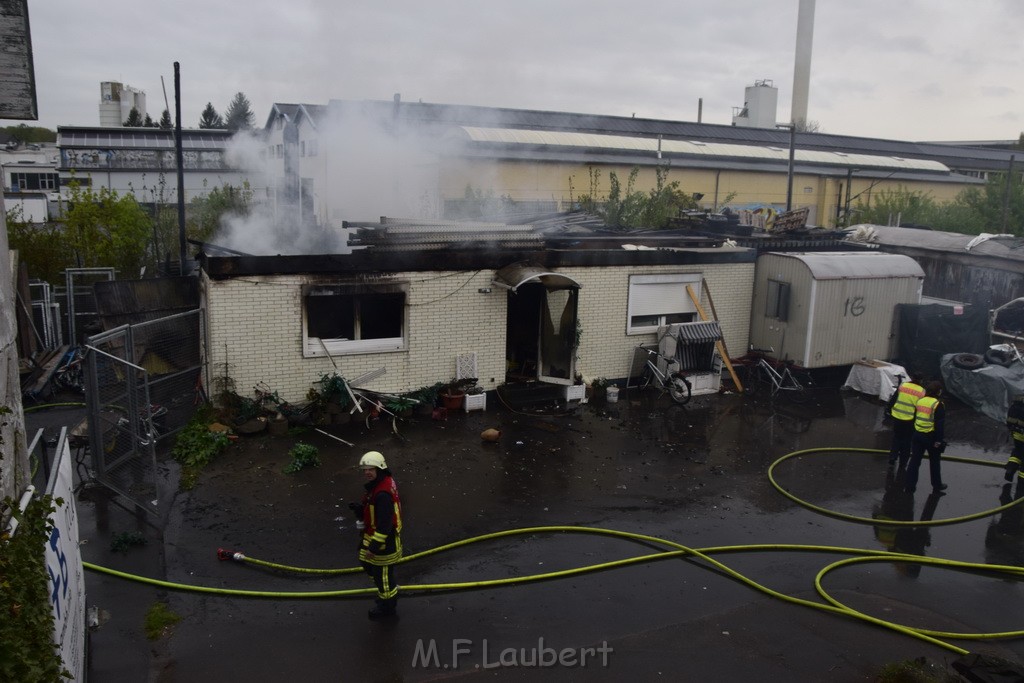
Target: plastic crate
point(575, 392)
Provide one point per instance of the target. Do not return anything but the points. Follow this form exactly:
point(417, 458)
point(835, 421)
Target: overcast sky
point(904, 69)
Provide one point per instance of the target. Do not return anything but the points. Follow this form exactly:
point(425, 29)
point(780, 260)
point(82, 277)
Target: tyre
point(968, 361)
point(998, 357)
point(679, 388)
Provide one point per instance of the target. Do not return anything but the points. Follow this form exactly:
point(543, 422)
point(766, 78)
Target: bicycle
point(778, 375)
point(675, 383)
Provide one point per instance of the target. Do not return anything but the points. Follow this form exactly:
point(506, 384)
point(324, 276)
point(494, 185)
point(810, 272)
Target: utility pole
point(180, 159)
point(1006, 193)
point(792, 155)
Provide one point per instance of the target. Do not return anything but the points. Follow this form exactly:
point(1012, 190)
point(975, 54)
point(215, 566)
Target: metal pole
point(179, 159)
point(1006, 192)
point(789, 174)
point(849, 183)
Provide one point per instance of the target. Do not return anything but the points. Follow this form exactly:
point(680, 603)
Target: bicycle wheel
point(751, 379)
point(793, 389)
point(679, 388)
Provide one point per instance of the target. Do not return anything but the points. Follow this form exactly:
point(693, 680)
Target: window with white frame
point(311, 150)
point(354, 318)
point(777, 300)
point(656, 300)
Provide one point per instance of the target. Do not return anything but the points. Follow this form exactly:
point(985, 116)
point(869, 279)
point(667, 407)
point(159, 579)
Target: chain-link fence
point(142, 385)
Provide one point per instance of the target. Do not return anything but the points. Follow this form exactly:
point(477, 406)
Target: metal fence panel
point(142, 386)
point(121, 425)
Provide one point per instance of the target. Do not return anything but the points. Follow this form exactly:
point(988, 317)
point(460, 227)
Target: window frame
point(315, 346)
point(637, 308)
point(777, 299)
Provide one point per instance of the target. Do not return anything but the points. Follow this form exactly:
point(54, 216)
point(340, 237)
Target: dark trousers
point(919, 445)
point(384, 578)
point(902, 438)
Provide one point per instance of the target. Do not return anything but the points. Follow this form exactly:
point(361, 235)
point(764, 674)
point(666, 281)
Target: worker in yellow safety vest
point(929, 436)
point(901, 408)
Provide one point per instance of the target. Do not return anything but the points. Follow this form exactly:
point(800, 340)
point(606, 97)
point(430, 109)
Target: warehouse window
point(656, 300)
point(777, 303)
point(357, 318)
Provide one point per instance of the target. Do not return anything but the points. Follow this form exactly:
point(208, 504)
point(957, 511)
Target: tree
point(149, 122)
point(27, 134)
point(807, 126)
point(134, 119)
point(103, 229)
point(41, 246)
point(210, 118)
point(239, 115)
point(165, 120)
point(206, 213)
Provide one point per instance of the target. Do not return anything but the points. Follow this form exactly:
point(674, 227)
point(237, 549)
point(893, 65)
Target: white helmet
point(373, 459)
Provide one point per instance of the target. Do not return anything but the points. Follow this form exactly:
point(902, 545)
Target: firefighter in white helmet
point(381, 544)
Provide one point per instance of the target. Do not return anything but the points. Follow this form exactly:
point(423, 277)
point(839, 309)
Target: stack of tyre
point(996, 355)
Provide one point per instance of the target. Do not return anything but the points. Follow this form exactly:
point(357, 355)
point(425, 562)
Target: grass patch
point(918, 670)
point(159, 619)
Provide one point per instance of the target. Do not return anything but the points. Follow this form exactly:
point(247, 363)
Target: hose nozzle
point(229, 555)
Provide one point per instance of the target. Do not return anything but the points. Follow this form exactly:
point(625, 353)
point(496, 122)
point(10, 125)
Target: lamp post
point(792, 155)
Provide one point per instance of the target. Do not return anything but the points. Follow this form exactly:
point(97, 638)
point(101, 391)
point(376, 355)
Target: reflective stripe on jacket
point(391, 541)
point(1015, 419)
point(907, 397)
point(924, 420)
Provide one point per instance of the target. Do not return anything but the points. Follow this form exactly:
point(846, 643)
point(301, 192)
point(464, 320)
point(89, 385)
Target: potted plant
point(455, 391)
point(599, 388)
point(401, 405)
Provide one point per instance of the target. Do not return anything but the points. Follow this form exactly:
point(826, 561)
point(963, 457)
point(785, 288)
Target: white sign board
point(64, 566)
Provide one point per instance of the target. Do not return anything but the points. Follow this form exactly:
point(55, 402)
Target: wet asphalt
point(696, 475)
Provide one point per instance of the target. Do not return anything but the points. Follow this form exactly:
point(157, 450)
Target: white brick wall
point(254, 324)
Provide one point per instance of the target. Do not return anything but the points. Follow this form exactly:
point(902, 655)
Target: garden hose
point(670, 550)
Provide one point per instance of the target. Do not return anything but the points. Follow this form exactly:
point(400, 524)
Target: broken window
point(357, 318)
point(656, 300)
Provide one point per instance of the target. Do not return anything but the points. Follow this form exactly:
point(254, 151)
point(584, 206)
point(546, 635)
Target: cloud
point(651, 57)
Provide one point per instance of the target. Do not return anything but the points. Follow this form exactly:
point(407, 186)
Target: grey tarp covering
point(989, 389)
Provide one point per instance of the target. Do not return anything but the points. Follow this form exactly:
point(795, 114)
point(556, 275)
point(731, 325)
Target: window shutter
point(661, 298)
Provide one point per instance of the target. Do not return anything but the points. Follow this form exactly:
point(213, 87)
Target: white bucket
point(613, 393)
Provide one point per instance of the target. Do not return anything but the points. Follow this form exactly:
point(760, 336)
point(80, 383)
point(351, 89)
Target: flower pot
point(453, 401)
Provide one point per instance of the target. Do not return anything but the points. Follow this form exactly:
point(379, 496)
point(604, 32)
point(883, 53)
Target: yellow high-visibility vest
point(924, 420)
point(907, 397)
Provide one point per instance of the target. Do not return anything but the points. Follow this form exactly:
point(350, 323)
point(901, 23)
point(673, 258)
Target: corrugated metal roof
point(936, 240)
point(542, 138)
point(855, 265)
point(952, 156)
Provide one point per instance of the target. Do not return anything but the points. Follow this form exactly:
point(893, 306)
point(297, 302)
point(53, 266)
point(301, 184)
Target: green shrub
point(303, 455)
point(196, 446)
point(26, 617)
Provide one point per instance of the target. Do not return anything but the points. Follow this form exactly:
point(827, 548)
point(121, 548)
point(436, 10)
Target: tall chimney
point(802, 67)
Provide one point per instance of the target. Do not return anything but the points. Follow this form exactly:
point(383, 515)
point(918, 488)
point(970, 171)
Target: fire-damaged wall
point(258, 324)
point(983, 285)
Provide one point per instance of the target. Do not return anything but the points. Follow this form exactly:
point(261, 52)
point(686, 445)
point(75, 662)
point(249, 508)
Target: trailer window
point(777, 303)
